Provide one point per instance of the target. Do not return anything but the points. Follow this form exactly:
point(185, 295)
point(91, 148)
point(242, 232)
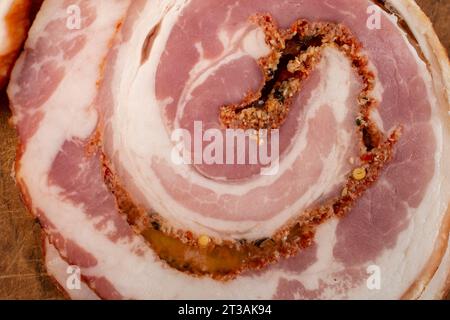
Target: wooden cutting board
point(22, 273)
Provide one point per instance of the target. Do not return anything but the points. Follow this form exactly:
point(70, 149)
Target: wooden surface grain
point(22, 273)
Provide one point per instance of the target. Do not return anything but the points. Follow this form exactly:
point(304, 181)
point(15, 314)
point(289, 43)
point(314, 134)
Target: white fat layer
point(5, 7)
point(254, 44)
point(140, 136)
point(377, 94)
point(143, 276)
point(326, 240)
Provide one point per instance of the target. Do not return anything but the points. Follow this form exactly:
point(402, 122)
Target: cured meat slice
point(350, 202)
point(60, 46)
point(15, 18)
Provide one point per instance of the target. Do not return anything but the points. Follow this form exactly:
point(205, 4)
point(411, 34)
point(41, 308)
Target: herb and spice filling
point(294, 54)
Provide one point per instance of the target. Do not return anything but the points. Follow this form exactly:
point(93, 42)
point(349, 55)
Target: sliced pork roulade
point(237, 149)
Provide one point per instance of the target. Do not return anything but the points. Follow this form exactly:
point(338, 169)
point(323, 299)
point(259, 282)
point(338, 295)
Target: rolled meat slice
point(148, 179)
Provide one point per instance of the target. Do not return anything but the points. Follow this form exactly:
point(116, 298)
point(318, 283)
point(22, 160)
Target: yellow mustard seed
point(203, 241)
point(344, 192)
point(359, 173)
